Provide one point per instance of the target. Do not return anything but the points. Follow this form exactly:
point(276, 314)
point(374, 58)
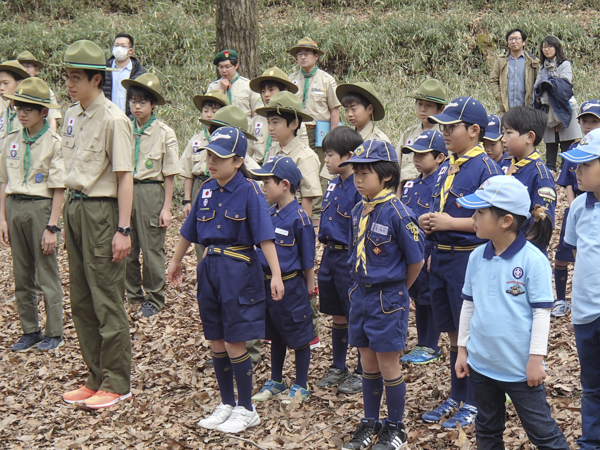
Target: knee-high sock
point(459, 385)
point(302, 364)
point(224, 374)
point(278, 352)
point(372, 387)
point(561, 274)
point(242, 370)
point(339, 345)
point(395, 394)
point(359, 368)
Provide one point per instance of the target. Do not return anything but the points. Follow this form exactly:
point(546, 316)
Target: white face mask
point(120, 53)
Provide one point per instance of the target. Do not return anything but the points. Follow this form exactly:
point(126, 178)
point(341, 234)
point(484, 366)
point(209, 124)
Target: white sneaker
point(219, 415)
point(560, 308)
point(239, 420)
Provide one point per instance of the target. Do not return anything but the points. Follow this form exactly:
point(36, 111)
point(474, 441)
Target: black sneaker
point(364, 434)
point(27, 341)
point(148, 310)
point(352, 385)
point(50, 343)
point(334, 377)
point(391, 437)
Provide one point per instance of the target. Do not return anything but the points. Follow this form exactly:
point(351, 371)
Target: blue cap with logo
point(427, 141)
point(503, 192)
point(590, 107)
point(372, 151)
point(588, 149)
point(227, 142)
point(462, 109)
point(282, 167)
point(493, 131)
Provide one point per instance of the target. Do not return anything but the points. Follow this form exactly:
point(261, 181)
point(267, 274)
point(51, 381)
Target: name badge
point(380, 229)
point(206, 193)
point(280, 231)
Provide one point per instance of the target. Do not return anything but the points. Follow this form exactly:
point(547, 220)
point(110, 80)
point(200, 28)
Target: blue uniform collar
point(512, 250)
point(346, 182)
point(591, 200)
point(287, 209)
point(237, 179)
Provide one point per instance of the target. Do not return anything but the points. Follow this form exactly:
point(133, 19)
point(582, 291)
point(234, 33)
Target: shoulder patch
point(547, 193)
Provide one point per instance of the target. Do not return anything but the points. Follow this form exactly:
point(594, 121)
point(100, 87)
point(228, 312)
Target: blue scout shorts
point(334, 281)
point(563, 253)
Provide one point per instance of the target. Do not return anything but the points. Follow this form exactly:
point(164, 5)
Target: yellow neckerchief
point(454, 168)
point(368, 206)
point(516, 165)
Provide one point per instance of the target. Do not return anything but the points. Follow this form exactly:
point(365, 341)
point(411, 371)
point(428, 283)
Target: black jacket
point(136, 70)
point(560, 92)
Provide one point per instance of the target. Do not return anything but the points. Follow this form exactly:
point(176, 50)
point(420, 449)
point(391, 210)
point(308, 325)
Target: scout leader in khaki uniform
point(32, 191)
point(430, 99)
point(156, 162)
point(11, 74)
point(97, 145)
point(33, 67)
point(232, 84)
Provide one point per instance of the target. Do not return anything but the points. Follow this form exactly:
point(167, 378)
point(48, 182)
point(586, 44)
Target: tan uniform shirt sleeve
point(54, 113)
point(3, 174)
point(56, 171)
point(308, 164)
point(193, 162)
point(171, 158)
point(120, 144)
point(259, 129)
point(158, 156)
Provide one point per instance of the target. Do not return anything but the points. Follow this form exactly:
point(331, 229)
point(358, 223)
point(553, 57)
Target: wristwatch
point(124, 230)
point(185, 202)
point(52, 228)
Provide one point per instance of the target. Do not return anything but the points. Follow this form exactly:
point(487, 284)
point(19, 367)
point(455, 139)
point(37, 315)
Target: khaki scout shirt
point(54, 113)
point(193, 161)
point(15, 122)
point(260, 130)
point(321, 94)
point(96, 143)
point(241, 95)
point(159, 153)
point(306, 160)
point(47, 169)
point(407, 167)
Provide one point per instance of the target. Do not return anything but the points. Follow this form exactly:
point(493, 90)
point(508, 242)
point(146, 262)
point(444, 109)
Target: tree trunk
point(237, 29)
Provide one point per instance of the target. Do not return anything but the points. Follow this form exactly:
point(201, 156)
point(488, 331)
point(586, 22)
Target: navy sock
point(224, 374)
point(372, 387)
point(339, 344)
point(359, 368)
point(395, 394)
point(278, 352)
point(458, 385)
point(242, 370)
point(561, 274)
point(469, 397)
point(427, 335)
point(302, 364)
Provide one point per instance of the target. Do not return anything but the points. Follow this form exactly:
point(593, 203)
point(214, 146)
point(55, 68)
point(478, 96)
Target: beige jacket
point(499, 79)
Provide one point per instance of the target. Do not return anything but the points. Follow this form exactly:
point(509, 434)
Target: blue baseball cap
point(427, 141)
point(462, 109)
point(493, 131)
point(501, 191)
point(372, 151)
point(282, 167)
point(590, 107)
point(588, 149)
point(227, 142)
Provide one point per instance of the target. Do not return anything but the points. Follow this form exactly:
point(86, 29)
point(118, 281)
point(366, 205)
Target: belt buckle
point(211, 250)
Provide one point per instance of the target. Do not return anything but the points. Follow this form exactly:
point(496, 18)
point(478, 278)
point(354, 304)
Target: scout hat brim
point(70, 65)
point(494, 137)
point(200, 99)
point(14, 69)
point(218, 123)
point(297, 48)
point(32, 100)
point(416, 149)
point(444, 119)
point(255, 83)
point(378, 109)
point(265, 110)
point(160, 100)
point(471, 201)
point(40, 65)
point(428, 98)
point(590, 113)
point(578, 156)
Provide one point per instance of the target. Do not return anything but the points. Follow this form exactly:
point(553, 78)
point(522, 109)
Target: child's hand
point(424, 223)
point(49, 242)
point(164, 219)
point(4, 233)
point(461, 366)
point(186, 210)
point(440, 222)
point(535, 370)
point(174, 273)
point(277, 289)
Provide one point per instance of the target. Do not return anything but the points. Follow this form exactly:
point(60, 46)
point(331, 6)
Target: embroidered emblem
point(515, 290)
point(149, 164)
point(39, 178)
point(206, 193)
point(547, 193)
point(360, 150)
point(453, 169)
point(195, 147)
point(205, 202)
point(377, 250)
point(517, 272)
point(414, 229)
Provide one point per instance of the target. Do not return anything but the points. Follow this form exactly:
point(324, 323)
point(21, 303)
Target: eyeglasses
point(448, 129)
point(25, 110)
point(142, 103)
point(74, 79)
point(304, 53)
point(226, 67)
point(515, 39)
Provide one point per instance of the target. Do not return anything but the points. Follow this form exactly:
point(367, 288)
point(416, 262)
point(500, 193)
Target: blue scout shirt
point(236, 214)
point(505, 289)
point(417, 194)
point(583, 234)
point(393, 241)
point(505, 162)
point(567, 175)
point(338, 201)
point(294, 239)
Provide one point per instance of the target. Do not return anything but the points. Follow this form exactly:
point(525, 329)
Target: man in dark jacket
point(129, 68)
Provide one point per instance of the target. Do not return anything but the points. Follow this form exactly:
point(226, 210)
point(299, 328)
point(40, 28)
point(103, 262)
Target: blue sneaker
point(417, 349)
point(444, 410)
point(27, 341)
point(426, 356)
point(270, 389)
point(304, 393)
point(465, 417)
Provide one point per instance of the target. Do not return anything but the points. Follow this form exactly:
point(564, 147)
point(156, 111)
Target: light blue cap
point(502, 191)
point(587, 150)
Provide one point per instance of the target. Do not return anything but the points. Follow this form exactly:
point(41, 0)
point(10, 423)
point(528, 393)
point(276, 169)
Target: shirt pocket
point(345, 211)
point(391, 302)
point(205, 216)
point(325, 205)
point(90, 157)
point(234, 221)
point(380, 248)
point(285, 241)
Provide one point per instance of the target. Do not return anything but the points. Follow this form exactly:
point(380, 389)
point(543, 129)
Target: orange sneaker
point(78, 395)
point(103, 399)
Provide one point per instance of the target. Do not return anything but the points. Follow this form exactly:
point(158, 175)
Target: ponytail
point(540, 231)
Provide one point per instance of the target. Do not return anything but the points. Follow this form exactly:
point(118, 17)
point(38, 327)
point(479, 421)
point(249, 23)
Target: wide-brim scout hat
point(372, 151)
point(225, 55)
point(34, 91)
point(462, 109)
point(590, 107)
point(366, 90)
point(149, 82)
point(273, 74)
point(588, 149)
point(431, 91)
point(304, 44)
point(282, 167)
point(227, 142)
point(27, 57)
point(285, 102)
point(14, 66)
point(211, 96)
point(427, 141)
point(230, 116)
point(493, 131)
point(85, 54)
point(506, 193)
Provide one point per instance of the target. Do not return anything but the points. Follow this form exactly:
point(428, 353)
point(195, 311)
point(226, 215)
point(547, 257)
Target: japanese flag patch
point(13, 151)
point(70, 124)
point(407, 186)
point(195, 146)
point(330, 187)
point(409, 142)
point(258, 128)
point(206, 193)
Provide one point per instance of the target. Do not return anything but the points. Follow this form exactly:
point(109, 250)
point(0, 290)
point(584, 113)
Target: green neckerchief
point(9, 119)
point(28, 141)
point(306, 83)
point(269, 142)
point(138, 133)
point(206, 172)
point(229, 90)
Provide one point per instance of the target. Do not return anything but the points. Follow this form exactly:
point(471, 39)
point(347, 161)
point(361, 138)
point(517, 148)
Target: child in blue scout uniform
point(451, 230)
point(582, 236)
point(288, 321)
point(508, 297)
point(589, 119)
point(386, 256)
point(492, 142)
point(523, 128)
point(429, 153)
point(229, 218)
point(334, 278)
